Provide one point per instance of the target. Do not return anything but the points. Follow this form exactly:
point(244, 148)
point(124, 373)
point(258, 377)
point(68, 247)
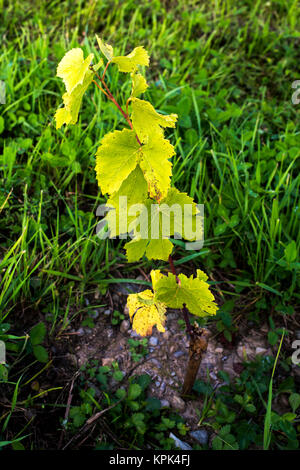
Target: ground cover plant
point(227, 69)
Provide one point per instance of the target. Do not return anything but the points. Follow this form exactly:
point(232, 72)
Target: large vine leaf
point(193, 292)
point(119, 154)
point(72, 102)
point(146, 121)
point(153, 249)
point(73, 68)
point(130, 62)
point(178, 214)
point(145, 312)
point(116, 158)
point(149, 242)
point(156, 165)
point(163, 221)
point(134, 188)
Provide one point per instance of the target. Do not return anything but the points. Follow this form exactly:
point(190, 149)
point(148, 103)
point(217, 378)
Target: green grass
point(226, 68)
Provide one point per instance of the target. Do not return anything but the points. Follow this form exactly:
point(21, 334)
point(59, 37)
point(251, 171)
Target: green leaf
point(272, 337)
point(217, 443)
point(289, 417)
point(294, 400)
point(291, 251)
point(77, 416)
point(250, 408)
point(134, 391)
point(40, 353)
point(118, 375)
point(55, 161)
point(3, 373)
point(153, 404)
point(138, 421)
point(38, 333)
point(4, 328)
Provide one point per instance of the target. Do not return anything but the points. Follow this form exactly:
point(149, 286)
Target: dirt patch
point(167, 358)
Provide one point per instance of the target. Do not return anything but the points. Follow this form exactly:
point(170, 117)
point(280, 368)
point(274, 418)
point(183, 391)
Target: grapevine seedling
point(134, 163)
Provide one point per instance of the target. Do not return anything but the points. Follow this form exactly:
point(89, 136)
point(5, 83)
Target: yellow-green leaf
point(163, 222)
point(135, 249)
point(106, 49)
point(146, 120)
point(139, 84)
point(179, 215)
point(134, 188)
point(72, 102)
point(193, 292)
point(130, 62)
point(145, 313)
point(156, 166)
point(73, 68)
point(116, 158)
point(153, 249)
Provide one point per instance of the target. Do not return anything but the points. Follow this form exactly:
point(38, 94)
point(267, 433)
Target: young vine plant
point(135, 162)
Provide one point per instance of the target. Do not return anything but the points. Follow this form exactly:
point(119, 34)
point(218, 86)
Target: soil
point(167, 360)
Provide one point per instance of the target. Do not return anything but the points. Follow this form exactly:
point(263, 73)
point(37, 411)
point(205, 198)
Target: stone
point(153, 341)
point(94, 313)
point(157, 383)
point(178, 354)
point(107, 311)
point(163, 386)
point(172, 316)
point(178, 443)
point(124, 327)
point(219, 350)
point(165, 403)
point(126, 310)
point(156, 362)
point(107, 361)
point(177, 403)
point(243, 351)
point(80, 331)
point(259, 350)
point(200, 435)
point(134, 334)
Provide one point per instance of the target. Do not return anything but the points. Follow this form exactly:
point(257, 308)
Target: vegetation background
point(226, 67)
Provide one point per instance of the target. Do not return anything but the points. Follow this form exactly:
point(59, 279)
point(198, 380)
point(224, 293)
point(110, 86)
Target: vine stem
point(110, 96)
